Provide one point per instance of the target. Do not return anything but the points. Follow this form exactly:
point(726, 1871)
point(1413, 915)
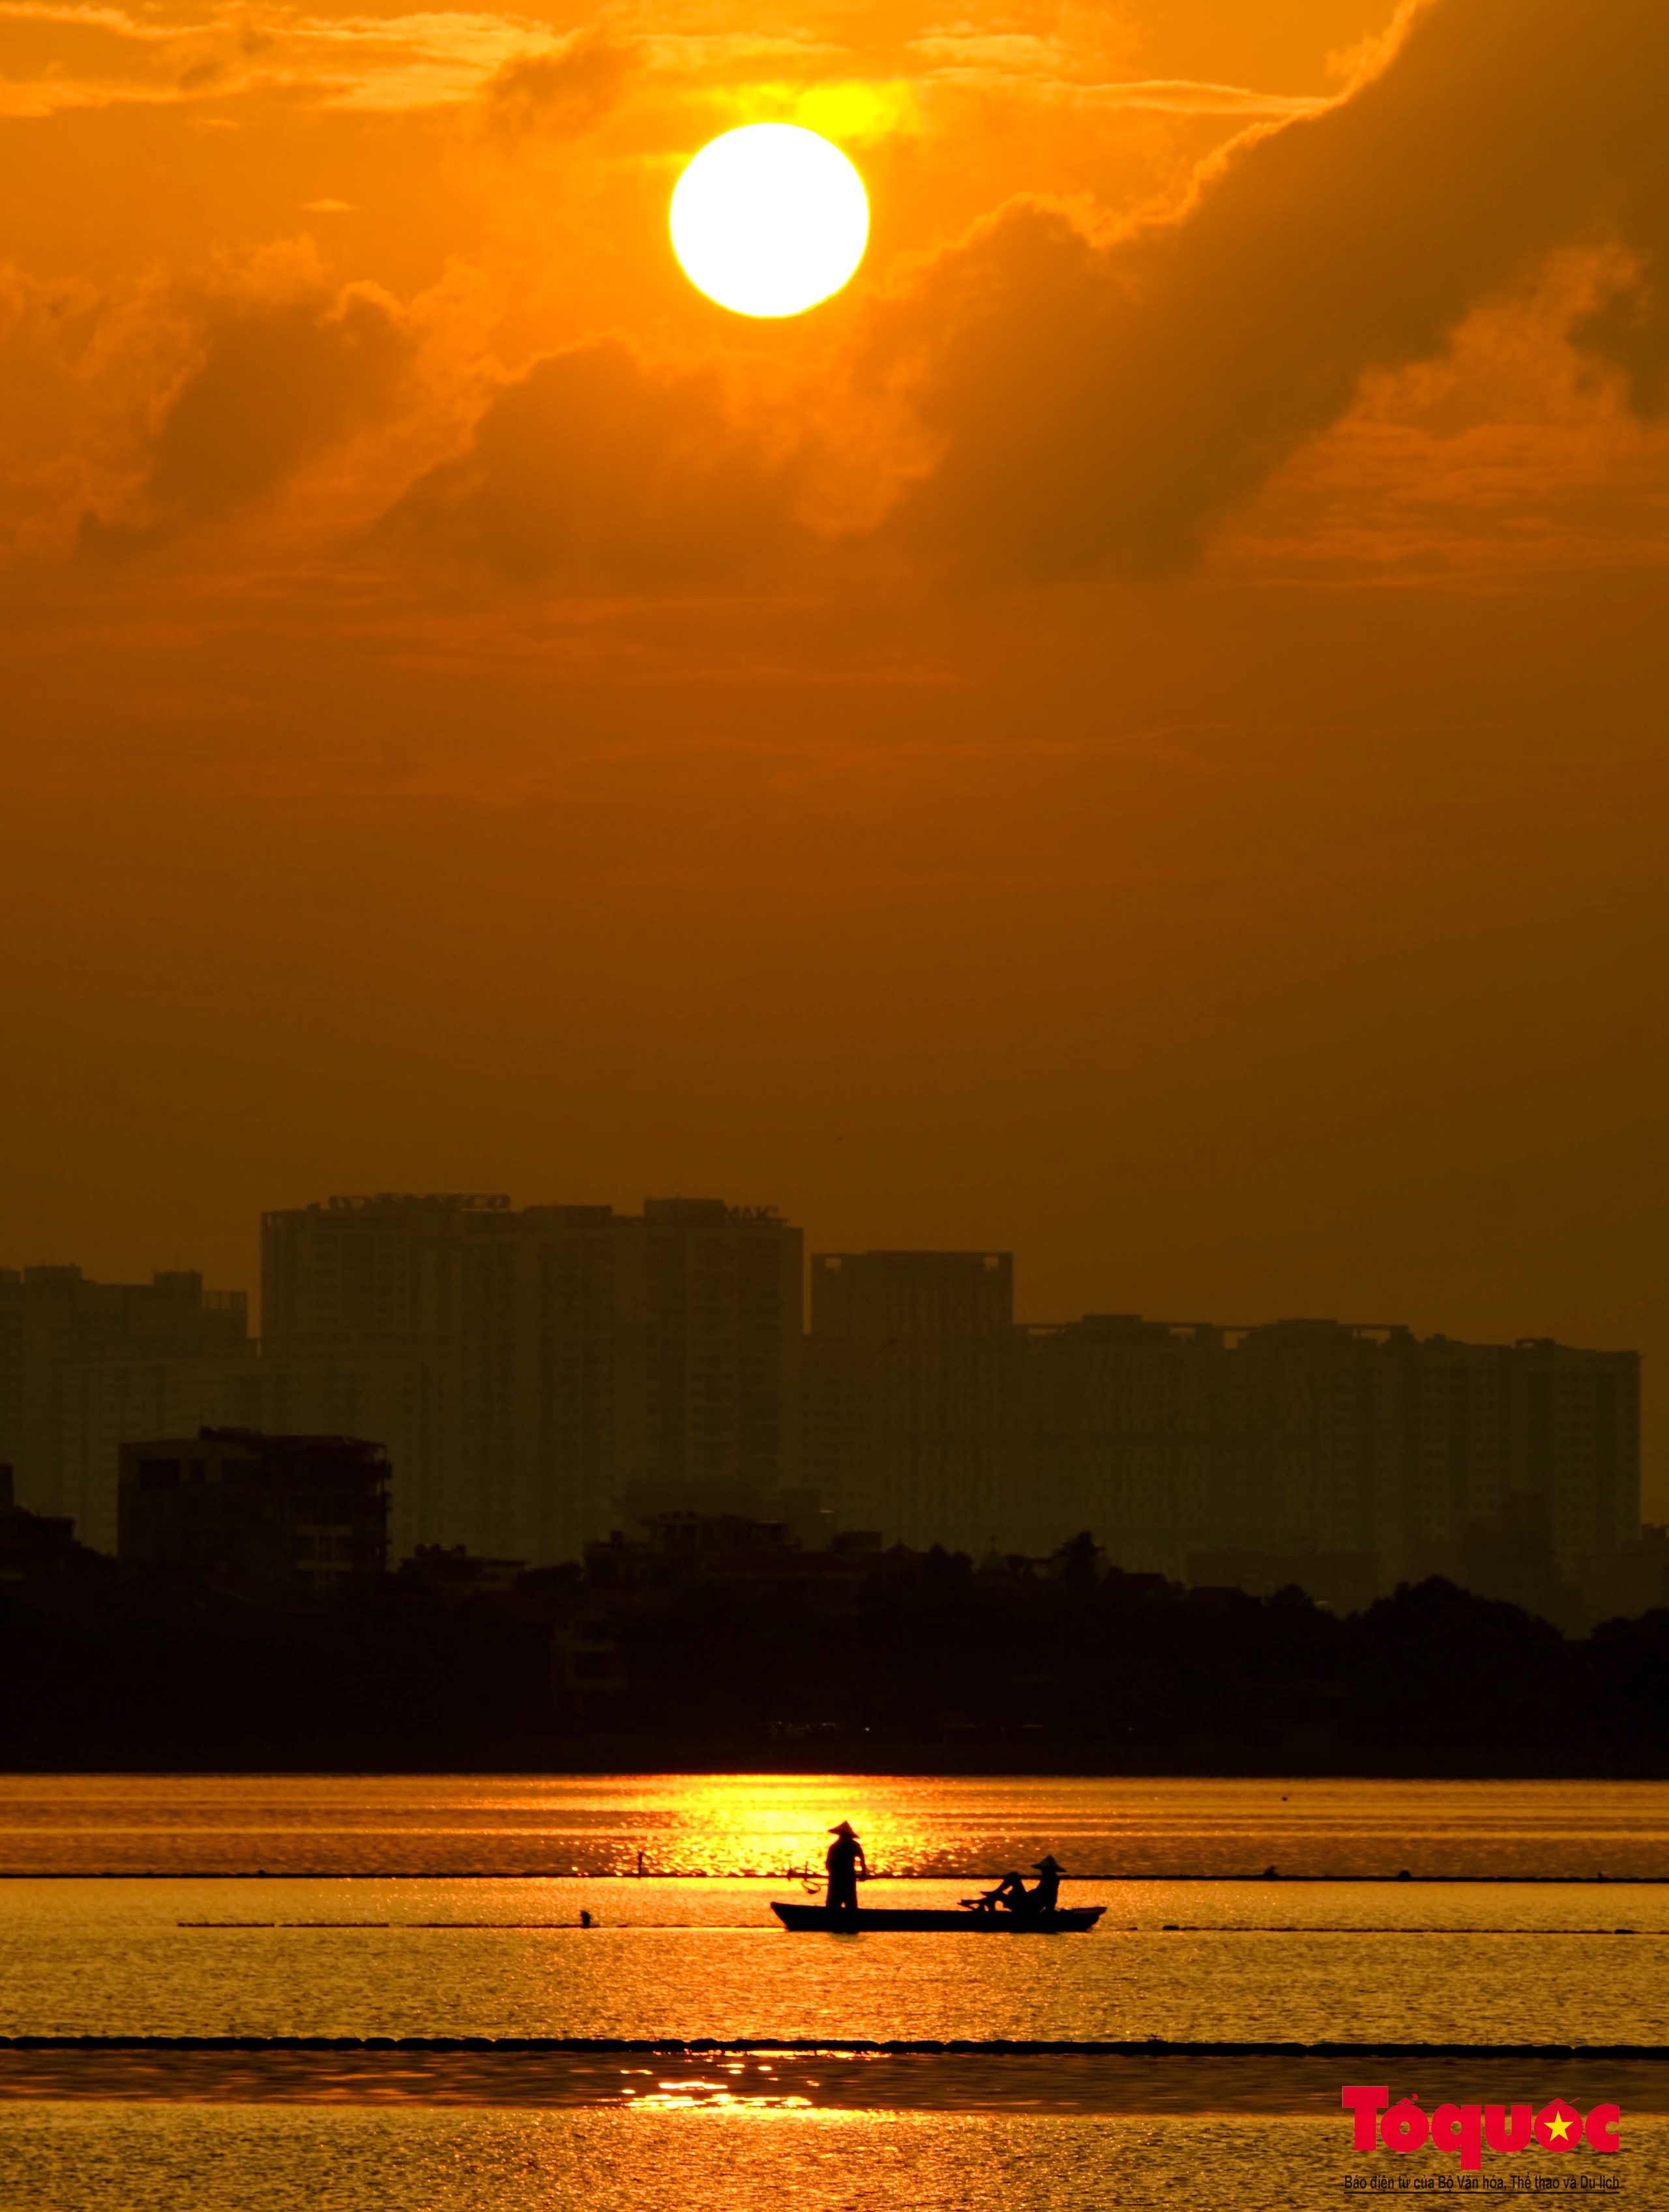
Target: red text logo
point(1466, 2131)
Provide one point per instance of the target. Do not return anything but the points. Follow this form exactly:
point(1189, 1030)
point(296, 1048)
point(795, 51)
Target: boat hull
point(1064, 1921)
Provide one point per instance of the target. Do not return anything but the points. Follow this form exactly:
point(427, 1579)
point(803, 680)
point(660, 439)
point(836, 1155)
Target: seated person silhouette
point(1046, 1896)
point(1012, 1894)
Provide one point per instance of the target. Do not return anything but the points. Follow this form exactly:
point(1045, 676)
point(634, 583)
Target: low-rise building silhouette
point(731, 1554)
point(32, 1546)
point(269, 1514)
point(85, 1364)
point(1343, 1581)
point(453, 1576)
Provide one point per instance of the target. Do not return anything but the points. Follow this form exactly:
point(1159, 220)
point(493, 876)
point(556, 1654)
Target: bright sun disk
point(769, 219)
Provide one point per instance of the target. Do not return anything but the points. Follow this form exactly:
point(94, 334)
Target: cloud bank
point(1051, 391)
point(596, 463)
point(1102, 405)
point(273, 384)
point(1099, 400)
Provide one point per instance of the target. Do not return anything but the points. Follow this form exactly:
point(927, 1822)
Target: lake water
point(760, 1824)
point(402, 1907)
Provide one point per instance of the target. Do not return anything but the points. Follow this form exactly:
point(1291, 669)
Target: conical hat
point(845, 1828)
point(1049, 1864)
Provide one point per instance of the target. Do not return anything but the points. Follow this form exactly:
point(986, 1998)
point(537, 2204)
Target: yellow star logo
point(1559, 2128)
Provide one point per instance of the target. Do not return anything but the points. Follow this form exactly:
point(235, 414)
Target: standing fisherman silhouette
point(844, 1857)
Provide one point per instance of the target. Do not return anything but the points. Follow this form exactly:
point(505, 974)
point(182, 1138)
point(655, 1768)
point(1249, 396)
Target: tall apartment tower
point(363, 1333)
point(1122, 1433)
point(527, 1366)
point(1314, 1430)
point(1581, 1444)
point(909, 1395)
point(1362, 1439)
point(1489, 1427)
point(1334, 1454)
point(84, 1364)
point(724, 1331)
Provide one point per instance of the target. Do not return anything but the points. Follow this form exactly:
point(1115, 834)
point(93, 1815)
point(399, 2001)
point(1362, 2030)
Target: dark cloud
point(1627, 330)
point(597, 464)
point(273, 384)
point(1101, 405)
point(560, 95)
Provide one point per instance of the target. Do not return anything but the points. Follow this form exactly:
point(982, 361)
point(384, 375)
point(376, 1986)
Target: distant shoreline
point(648, 1757)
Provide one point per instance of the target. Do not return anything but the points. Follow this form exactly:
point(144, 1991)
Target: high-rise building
point(1461, 1453)
point(1335, 1455)
point(910, 1400)
point(533, 1364)
point(1579, 1441)
point(1491, 1426)
point(84, 1364)
point(724, 1327)
point(1314, 1438)
point(362, 1317)
point(1120, 1431)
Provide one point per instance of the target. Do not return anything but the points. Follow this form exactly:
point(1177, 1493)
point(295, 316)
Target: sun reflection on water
point(766, 1825)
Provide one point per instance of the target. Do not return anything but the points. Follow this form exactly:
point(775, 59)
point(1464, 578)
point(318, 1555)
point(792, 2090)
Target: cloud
point(1016, 51)
point(1628, 329)
point(1101, 403)
point(598, 465)
point(1017, 61)
point(272, 385)
point(54, 57)
point(1185, 97)
point(1094, 397)
point(560, 95)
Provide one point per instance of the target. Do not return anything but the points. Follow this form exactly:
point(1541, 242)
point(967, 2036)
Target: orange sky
point(1135, 733)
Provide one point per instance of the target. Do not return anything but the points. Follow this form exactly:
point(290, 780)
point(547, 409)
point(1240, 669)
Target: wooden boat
point(1064, 1920)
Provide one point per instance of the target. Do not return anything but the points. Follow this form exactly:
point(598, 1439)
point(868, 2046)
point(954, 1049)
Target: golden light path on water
point(764, 1824)
point(452, 1907)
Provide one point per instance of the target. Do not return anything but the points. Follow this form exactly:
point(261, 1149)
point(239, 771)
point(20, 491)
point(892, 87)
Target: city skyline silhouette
point(540, 1375)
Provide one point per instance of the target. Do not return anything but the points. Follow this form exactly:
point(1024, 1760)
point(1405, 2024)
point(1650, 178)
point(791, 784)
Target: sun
point(769, 219)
